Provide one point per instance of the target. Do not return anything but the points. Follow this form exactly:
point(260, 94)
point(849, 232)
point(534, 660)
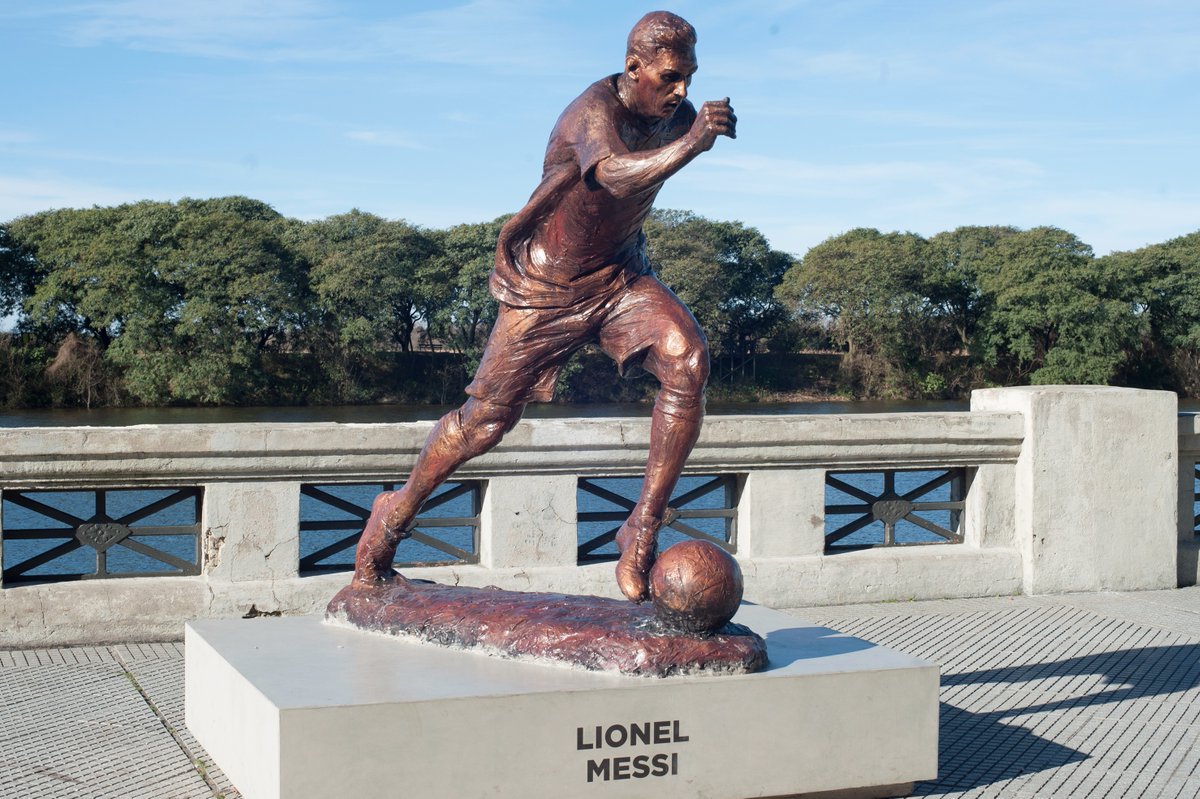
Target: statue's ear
point(633, 66)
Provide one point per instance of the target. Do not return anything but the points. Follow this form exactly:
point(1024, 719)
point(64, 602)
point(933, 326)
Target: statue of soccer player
point(570, 269)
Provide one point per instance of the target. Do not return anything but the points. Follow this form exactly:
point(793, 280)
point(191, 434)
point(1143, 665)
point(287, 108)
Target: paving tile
point(81, 729)
point(1085, 696)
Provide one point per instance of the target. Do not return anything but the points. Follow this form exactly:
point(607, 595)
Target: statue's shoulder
point(600, 97)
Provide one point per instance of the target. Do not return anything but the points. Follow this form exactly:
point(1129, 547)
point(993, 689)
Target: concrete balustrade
point(1070, 488)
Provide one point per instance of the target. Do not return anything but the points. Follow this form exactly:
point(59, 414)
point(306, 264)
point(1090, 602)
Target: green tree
point(950, 279)
point(868, 285)
point(725, 272)
point(466, 254)
point(18, 274)
point(92, 273)
point(1163, 285)
point(1053, 314)
point(371, 279)
point(189, 300)
point(238, 296)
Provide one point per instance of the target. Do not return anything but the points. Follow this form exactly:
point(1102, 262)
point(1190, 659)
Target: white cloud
point(798, 204)
point(499, 34)
point(21, 195)
point(267, 30)
point(12, 137)
point(783, 177)
point(385, 139)
point(1111, 221)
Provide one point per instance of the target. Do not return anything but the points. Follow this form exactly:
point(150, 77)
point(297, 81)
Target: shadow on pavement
point(977, 749)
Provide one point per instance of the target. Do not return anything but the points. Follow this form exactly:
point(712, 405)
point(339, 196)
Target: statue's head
point(660, 58)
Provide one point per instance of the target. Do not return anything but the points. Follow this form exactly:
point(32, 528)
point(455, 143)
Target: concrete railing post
point(1095, 500)
point(251, 530)
point(988, 511)
point(781, 513)
point(528, 521)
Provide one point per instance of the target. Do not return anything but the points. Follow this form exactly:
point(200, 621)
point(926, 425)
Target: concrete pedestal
point(291, 707)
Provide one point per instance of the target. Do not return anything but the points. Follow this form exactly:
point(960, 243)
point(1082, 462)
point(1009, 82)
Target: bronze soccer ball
point(695, 587)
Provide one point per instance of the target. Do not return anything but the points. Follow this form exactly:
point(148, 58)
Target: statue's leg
point(460, 435)
point(676, 353)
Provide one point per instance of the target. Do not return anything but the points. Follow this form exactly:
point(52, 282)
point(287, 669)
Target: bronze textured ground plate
point(584, 631)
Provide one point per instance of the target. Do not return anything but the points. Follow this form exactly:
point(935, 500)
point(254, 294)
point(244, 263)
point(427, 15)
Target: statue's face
point(661, 85)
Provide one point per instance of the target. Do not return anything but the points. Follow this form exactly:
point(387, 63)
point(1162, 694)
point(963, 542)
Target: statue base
point(293, 707)
point(589, 632)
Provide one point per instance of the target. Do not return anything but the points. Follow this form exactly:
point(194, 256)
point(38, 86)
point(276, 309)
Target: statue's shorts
point(641, 324)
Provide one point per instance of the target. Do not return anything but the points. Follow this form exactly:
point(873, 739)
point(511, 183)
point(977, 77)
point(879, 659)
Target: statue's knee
point(485, 425)
point(688, 370)
point(699, 369)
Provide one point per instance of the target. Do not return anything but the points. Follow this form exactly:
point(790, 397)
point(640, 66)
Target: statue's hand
point(715, 118)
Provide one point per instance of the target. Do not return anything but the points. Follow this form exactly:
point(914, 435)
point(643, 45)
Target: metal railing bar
point(447, 521)
point(931, 527)
point(65, 548)
point(692, 532)
point(38, 533)
point(22, 499)
point(594, 543)
point(928, 486)
point(446, 496)
point(179, 530)
point(604, 493)
point(442, 546)
point(336, 502)
point(340, 545)
point(948, 505)
point(698, 491)
point(847, 529)
point(162, 557)
point(846, 488)
point(843, 510)
point(708, 513)
point(155, 507)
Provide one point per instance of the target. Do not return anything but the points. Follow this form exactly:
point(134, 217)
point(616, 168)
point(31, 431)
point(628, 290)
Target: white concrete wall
point(1096, 502)
point(1064, 483)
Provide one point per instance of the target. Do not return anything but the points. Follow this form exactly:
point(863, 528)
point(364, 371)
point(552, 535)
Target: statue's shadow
point(980, 748)
point(790, 644)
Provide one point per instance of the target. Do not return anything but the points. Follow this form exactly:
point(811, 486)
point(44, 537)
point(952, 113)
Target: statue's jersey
point(574, 240)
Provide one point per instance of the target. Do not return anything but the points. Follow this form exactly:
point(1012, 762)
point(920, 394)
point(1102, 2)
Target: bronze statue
point(571, 269)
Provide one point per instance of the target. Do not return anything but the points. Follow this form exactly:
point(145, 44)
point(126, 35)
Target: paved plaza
point(1083, 695)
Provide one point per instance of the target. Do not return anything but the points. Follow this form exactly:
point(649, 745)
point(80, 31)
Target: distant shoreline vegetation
point(226, 302)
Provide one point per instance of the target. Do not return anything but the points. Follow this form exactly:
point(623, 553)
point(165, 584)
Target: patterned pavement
point(1084, 695)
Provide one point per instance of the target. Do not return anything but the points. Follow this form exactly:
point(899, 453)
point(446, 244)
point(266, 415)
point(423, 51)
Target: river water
point(115, 417)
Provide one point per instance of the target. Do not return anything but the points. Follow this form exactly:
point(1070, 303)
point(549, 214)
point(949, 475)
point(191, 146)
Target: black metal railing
point(332, 518)
point(706, 506)
point(97, 533)
point(893, 507)
point(1195, 499)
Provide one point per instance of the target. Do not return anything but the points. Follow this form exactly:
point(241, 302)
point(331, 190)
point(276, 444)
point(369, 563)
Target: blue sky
point(915, 115)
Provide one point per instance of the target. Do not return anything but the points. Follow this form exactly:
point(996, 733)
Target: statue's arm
point(627, 174)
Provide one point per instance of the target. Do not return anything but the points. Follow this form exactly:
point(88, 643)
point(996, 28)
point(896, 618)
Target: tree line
point(985, 306)
point(226, 301)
